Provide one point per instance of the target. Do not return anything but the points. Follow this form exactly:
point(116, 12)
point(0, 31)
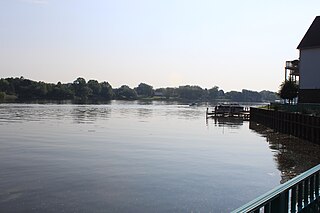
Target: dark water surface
point(138, 157)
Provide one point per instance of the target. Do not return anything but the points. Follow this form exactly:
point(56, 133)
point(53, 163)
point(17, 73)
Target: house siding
point(309, 96)
point(310, 69)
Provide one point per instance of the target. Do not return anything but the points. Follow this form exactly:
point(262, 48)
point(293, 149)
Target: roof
point(312, 37)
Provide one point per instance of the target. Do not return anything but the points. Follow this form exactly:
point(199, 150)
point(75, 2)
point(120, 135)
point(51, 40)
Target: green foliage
point(171, 92)
point(60, 91)
point(81, 89)
point(125, 93)
point(144, 90)
point(106, 91)
point(4, 85)
point(95, 87)
point(234, 96)
point(251, 96)
point(190, 92)
point(244, 96)
point(288, 90)
point(268, 96)
point(92, 91)
point(27, 89)
point(213, 93)
point(2, 96)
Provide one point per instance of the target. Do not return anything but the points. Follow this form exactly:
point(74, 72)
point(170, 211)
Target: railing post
point(293, 199)
point(306, 192)
point(275, 205)
point(267, 208)
point(284, 198)
point(300, 196)
point(317, 185)
point(312, 188)
point(280, 203)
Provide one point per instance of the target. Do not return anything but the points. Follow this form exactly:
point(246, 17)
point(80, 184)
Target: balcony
point(293, 67)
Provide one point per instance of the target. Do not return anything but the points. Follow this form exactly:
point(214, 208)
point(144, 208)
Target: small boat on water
point(228, 110)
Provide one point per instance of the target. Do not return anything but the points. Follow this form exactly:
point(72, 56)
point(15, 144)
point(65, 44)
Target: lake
point(138, 157)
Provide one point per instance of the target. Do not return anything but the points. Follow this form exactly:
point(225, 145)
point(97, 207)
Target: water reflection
point(292, 155)
point(148, 109)
point(230, 122)
point(144, 112)
point(89, 114)
point(25, 113)
point(184, 112)
point(130, 157)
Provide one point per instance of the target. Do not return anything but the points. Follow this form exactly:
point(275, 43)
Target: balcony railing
point(293, 66)
point(300, 194)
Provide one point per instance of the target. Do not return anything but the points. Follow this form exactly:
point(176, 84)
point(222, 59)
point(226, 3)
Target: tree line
point(82, 91)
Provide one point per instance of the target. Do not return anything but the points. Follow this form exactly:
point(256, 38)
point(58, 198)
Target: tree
point(234, 96)
point(190, 92)
point(288, 90)
point(4, 85)
point(106, 91)
point(171, 92)
point(126, 93)
point(82, 91)
point(213, 93)
point(60, 91)
point(250, 96)
point(24, 89)
point(221, 94)
point(268, 96)
point(144, 90)
point(40, 90)
point(95, 87)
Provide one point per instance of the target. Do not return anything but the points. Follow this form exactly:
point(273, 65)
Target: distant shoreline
point(80, 91)
point(179, 101)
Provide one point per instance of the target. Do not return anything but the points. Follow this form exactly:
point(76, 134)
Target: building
point(309, 65)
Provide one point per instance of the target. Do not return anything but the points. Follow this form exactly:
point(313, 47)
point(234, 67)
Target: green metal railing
point(300, 194)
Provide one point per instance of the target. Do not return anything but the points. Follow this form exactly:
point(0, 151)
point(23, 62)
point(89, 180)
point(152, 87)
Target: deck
point(229, 111)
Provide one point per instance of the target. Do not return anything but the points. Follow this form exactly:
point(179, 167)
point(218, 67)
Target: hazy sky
point(232, 44)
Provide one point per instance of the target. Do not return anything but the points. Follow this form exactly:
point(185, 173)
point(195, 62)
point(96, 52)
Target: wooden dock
point(229, 110)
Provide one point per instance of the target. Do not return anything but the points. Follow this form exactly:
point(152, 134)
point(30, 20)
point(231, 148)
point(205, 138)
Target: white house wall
point(310, 68)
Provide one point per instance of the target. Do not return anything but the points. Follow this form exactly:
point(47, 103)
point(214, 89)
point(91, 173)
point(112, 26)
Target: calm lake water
point(138, 157)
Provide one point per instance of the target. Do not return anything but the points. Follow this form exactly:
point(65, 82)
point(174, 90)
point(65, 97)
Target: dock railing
point(300, 194)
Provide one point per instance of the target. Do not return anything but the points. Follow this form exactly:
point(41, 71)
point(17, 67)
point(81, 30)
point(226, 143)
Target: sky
point(165, 43)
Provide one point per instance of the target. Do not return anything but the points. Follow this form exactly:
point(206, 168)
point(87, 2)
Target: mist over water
point(137, 157)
